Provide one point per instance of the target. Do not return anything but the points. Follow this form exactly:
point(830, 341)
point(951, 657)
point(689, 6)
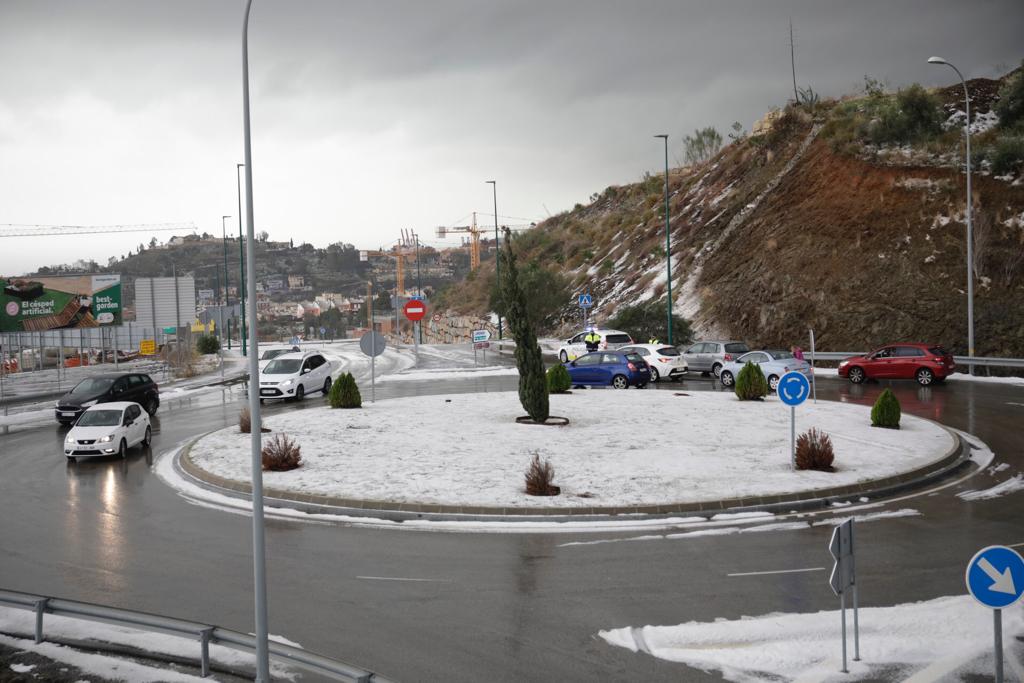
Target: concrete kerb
point(955, 458)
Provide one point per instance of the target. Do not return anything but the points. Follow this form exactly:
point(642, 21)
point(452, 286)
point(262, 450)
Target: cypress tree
point(345, 393)
point(886, 411)
point(559, 380)
point(533, 386)
point(751, 384)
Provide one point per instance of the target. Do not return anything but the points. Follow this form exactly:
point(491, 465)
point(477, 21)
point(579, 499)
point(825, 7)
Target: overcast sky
point(371, 117)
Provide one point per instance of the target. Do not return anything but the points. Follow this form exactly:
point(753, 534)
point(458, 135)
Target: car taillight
point(632, 368)
point(727, 356)
point(665, 360)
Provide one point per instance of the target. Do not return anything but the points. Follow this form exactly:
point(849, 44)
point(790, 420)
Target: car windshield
point(618, 339)
point(736, 348)
point(668, 351)
point(94, 385)
point(283, 366)
point(99, 418)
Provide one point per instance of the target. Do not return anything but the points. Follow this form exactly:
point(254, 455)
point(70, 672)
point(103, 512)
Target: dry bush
point(814, 451)
point(539, 478)
point(281, 454)
point(245, 422)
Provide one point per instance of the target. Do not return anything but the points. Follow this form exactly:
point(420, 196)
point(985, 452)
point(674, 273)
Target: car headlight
point(843, 362)
point(287, 383)
point(70, 439)
point(107, 439)
point(56, 404)
point(88, 404)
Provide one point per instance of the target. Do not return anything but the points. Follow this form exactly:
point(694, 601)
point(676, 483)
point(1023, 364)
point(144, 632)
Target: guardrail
point(960, 360)
point(205, 634)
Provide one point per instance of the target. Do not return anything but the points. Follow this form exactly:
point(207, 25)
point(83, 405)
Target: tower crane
point(474, 236)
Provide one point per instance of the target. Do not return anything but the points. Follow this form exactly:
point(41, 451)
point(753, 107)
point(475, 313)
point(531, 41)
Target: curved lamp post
point(668, 243)
point(224, 231)
point(970, 227)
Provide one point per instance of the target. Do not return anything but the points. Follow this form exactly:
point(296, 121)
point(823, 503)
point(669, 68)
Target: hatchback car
point(773, 363)
point(108, 429)
point(574, 346)
point(925, 363)
point(106, 388)
point(612, 368)
point(662, 360)
point(293, 375)
point(710, 356)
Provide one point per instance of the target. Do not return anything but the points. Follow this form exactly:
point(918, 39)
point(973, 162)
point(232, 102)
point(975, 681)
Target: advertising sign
point(147, 347)
point(35, 304)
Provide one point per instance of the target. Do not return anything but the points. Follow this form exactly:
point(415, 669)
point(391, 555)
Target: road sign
point(415, 310)
point(293, 340)
point(995, 576)
point(793, 388)
point(363, 256)
point(437, 317)
point(586, 301)
point(481, 336)
point(372, 343)
point(482, 345)
point(323, 331)
point(841, 549)
point(170, 330)
point(147, 347)
point(416, 297)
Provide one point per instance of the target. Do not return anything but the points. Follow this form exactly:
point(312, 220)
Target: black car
point(115, 386)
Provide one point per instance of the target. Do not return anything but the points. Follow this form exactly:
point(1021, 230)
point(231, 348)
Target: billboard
point(35, 304)
point(165, 301)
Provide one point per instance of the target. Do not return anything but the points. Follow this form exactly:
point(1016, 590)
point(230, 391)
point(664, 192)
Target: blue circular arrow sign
point(995, 576)
point(793, 388)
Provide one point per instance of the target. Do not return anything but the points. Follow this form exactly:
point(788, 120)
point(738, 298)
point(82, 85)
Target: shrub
point(751, 384)
point(814, 451)
point(345, 393)
point(650, 319)
point(207, 343)
point(245, 422)
point(912, 116)
point(539, 478)
point(558, 379)
point(886, 411)
point(1010, 105)
point(281, 454)
point(1008, 154)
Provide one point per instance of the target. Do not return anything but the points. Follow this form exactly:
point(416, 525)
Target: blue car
point(609, 368)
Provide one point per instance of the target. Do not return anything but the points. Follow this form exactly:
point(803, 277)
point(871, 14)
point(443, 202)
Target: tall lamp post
point(668, 243)
point(259, 564)
point(970, 226)
point(224, 230)
point(241, 258)
point(497, 251)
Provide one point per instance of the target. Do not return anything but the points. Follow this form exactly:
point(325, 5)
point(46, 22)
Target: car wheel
point(327, 386)
point(123, 450)
point(620, 382)
point(654, 375)
point(152, 405)
point(857, 375)
point(563, 357)
point(726, 379)
point(72, 458)
point(924, 377)
point(300, 393)
point(773, 383)
point(716, 369)
point(147, 440)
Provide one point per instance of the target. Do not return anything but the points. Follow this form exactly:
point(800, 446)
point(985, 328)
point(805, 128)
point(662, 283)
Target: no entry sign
point(415, 310)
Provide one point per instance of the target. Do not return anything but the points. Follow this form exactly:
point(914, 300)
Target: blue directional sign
point(586, 301)
point(995, 576)
point(793, 388)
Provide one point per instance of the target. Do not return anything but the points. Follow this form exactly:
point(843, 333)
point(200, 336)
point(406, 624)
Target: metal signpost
point(844, 576)
point(814, 384)
point(586, 303)
point(414, 310)
point(372, 344)
point(480, 339)
point(995, 578)
point(793, 389)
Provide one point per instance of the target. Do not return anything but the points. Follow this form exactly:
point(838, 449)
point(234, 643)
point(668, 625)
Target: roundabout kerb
point(462, 460)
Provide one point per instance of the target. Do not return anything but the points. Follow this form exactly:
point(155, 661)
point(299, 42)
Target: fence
point(204, 634)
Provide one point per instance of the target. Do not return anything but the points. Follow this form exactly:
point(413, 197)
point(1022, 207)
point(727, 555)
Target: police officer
point(653, 340)
point(592, 340)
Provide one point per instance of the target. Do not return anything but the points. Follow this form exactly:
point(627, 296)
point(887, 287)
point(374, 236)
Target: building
point(296, 282)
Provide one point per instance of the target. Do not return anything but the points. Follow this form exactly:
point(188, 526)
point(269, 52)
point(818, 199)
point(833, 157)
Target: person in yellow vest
point(592, 340)
point(653, 340)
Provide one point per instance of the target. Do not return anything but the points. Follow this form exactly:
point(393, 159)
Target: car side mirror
point(305, 370)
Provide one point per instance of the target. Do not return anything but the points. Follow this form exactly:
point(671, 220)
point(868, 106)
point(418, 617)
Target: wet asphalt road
point(492, 607)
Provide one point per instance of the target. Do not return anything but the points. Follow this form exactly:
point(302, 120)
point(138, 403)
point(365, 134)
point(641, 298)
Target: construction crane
point(16, 230)
point(474, 237)
point(399, 254)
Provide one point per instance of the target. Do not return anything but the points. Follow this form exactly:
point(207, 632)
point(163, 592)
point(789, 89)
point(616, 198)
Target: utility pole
point(497, 252)
point(224, 230)
point(241, 257)
point(792, 61)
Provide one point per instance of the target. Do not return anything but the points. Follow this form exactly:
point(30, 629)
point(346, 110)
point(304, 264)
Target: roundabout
point(623, 453)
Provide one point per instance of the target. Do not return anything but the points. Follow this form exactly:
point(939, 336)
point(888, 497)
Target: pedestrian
point(798, 353)
point(653, 340)
point(592, 340)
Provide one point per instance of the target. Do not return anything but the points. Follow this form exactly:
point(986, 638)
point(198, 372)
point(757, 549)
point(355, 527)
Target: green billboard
point(36, 304)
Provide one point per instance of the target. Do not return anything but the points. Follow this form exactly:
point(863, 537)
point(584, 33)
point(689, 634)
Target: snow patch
point(1011, 485)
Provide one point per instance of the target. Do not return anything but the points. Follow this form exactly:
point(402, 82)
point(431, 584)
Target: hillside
point(814, 223)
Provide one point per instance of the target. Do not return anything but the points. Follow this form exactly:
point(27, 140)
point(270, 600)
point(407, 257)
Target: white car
point(293, 375)
point(574, 347)
point(662, 359)
point(773, 363)
point(272, 353)
point(108, 429)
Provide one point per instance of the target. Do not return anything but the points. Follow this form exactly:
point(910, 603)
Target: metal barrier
point(960, 360)
point(203, 633)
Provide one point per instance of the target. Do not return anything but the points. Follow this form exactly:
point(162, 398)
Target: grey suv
point(708, 356)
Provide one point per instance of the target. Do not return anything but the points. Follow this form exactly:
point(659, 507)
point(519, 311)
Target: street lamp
point(970, 227)
point(497, 251)
point(241, 257)
point(668, 242)
point(224, 229)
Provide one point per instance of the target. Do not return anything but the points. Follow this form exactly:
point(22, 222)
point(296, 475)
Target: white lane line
point(780, 571)
point(398, 578)
point(1015, 545)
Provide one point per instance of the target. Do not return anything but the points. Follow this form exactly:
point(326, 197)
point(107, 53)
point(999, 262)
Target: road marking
point(780, 571)
point(398, 578)
point(1015, 545)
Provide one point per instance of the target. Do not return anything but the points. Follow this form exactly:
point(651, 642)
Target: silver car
point(710, 356)
point(774, 363)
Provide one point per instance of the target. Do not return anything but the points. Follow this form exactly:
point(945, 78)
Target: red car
point(924, 362)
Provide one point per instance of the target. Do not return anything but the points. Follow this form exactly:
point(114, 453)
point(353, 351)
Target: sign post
point(372, 344)
point(844, 576)
point(814, 383)
point(414, 310)
point(995, 578)
point(793, 389)
point(480, 339)
point(586, 303)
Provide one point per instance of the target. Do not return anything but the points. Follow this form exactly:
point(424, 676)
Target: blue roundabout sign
point(793, 388)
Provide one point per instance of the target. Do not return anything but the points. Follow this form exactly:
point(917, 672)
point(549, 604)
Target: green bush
point(650, 319)
point(1010, 105)
point(914, 115)
point(558, 379)
point(751, 384)
point(344, 393)
point(207, 343)
point(1007, 155)
point(886, 411)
